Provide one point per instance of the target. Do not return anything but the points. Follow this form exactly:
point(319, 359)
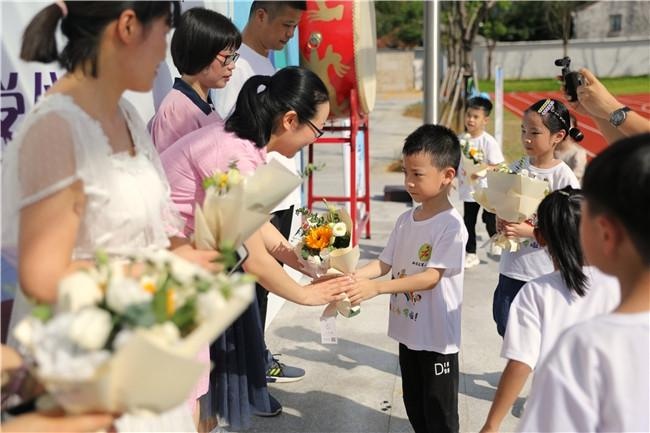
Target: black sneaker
point(281, 373)
point(276, 408)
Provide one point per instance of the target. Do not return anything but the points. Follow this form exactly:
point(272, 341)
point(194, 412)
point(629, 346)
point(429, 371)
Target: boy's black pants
point(470, 213)
point(430, 388)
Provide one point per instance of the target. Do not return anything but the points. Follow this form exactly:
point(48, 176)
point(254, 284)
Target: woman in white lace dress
point(82, 173)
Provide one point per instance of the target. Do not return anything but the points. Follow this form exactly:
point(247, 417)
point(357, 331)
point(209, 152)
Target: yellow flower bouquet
point(235, 206)
point(513, 195)
point(472, 159)
point(324, 246)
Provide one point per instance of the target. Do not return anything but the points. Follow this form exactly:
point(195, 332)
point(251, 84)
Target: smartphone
point(242, 255)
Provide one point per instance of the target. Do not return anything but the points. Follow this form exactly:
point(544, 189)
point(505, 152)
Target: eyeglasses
point(317, 131)
point(230, 58)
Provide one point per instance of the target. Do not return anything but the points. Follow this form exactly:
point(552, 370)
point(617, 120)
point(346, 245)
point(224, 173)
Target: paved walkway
point(355, 386)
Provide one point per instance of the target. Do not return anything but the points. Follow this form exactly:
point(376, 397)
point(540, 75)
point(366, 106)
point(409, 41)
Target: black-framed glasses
point(317, 131)
point(230, 58)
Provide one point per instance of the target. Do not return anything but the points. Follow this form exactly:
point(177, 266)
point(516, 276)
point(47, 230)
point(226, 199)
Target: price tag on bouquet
point(328, 326)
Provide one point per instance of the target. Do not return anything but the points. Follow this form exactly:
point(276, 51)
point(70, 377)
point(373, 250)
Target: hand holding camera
point(572, 80)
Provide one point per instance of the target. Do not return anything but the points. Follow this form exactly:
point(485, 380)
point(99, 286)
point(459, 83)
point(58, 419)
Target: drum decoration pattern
point(338, 42)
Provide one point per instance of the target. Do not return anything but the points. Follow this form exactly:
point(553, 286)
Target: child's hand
point(363, 290)
point(518, 230)
point(330, 290)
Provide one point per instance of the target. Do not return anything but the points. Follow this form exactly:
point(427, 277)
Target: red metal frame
point(358, 122)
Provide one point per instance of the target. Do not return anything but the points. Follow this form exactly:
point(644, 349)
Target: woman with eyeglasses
point(204, 50)
point(281, 113)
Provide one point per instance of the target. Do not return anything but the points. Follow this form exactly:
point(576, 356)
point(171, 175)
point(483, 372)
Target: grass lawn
point(618, 86)
point(512, 124)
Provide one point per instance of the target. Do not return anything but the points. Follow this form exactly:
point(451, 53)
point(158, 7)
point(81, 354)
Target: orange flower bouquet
point(325, 247)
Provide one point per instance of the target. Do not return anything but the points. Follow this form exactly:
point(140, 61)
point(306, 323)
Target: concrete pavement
point(355, 385)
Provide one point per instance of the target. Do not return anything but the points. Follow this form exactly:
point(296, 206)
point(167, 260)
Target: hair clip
point(564, 193)
point(546, 107)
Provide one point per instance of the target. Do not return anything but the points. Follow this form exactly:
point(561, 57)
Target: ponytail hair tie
point(64, 8)
point(576, 134)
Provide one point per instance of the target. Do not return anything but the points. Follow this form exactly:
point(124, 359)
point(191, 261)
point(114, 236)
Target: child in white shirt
point(547, 305)
point(597, 378)
point(476, 119)
point(544, 125)
point(425, 252)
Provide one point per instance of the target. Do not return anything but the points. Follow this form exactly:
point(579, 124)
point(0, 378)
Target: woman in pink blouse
point(275, 113)
point(204, 49)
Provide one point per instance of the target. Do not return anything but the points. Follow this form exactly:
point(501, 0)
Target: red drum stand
point(358, 122)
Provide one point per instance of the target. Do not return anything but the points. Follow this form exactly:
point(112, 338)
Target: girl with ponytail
point(547, 305)
point(544, 125)
point(283, 113)
point(81, 173)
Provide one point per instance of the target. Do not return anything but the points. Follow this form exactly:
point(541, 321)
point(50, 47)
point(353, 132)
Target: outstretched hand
point(362, 290)
point(329, 290)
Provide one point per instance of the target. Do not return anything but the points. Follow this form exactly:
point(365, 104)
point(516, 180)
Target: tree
point(494, 29)
point(559, 16)
point(400, 23)
point(461, 20)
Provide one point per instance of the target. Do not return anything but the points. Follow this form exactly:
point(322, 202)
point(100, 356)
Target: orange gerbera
point(318, 237)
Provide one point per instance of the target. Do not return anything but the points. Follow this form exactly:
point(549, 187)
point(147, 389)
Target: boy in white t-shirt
point(476, 120)
point(426, 254)
point(597, 375)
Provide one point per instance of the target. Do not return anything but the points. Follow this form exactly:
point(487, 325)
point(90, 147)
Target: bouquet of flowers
point(324, 246)
point(513, 195)
point(119, 329)
point(235, 206)
point(472, 159)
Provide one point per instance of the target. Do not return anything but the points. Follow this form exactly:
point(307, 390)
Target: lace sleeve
point(46, 159)
point(39, 162)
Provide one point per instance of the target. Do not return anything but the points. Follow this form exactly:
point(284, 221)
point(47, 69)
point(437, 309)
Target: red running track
point(594, 141)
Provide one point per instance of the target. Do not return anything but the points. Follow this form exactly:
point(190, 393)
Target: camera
point(571, 79)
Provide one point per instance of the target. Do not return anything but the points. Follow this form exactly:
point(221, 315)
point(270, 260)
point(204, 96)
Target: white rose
point(185, 271)
point(523, 172)
point(163, 335)
point(324, 253)
point(314, 260)
point(90, 328)
point(123, 292)
point(209, 304)
point(339, 229)
point(26, 330)
point(77, 291)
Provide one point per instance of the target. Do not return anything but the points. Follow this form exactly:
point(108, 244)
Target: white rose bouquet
point(118, 331)
point(235, 206)
point(472, 159)
point(513, 195)
point(324, 246)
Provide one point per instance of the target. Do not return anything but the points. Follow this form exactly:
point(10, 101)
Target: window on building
point(615, 23)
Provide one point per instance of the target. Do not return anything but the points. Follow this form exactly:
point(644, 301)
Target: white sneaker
point(471, 260)
point(495, 250)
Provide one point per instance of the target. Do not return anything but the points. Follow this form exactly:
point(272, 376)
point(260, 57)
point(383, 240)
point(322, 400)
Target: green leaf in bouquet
point(341, 241)
point(159, 301)
point(42, 312)
point(184, 317)
point(138, 316)
point(101, 258)
point(311, 169)
point(228, 255)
